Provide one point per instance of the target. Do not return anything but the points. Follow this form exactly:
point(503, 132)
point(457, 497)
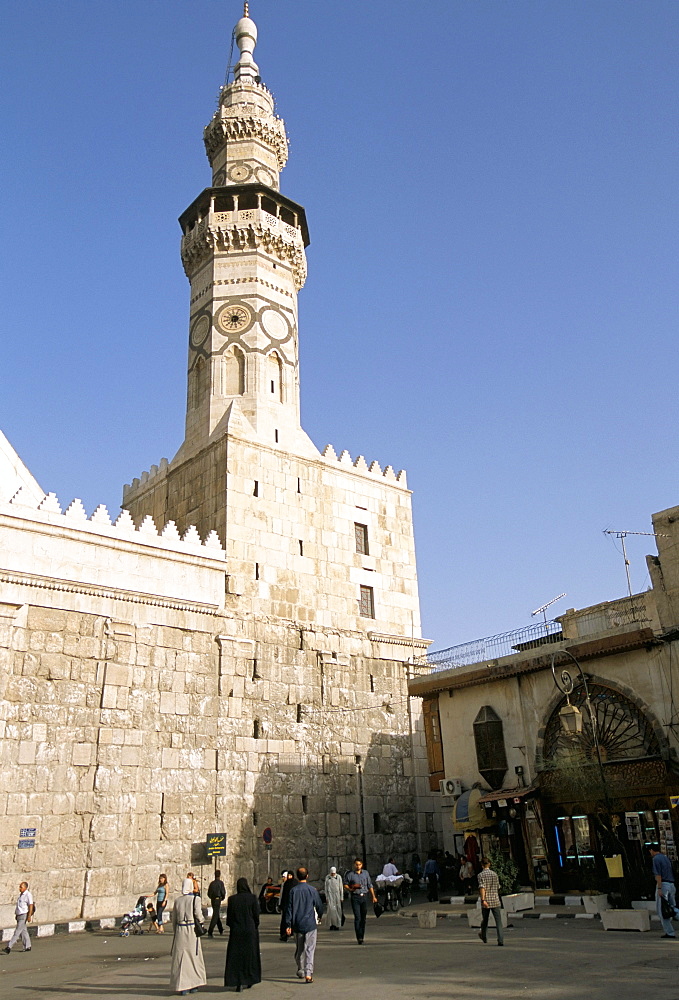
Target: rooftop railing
point(493, 647)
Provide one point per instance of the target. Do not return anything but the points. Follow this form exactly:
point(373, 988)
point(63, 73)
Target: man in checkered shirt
point(489, 891)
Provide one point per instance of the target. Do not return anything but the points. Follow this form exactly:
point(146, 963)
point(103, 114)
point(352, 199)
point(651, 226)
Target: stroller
point(133, 920)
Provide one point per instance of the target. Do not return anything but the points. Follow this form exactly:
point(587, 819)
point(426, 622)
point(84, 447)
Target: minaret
point(243, 253)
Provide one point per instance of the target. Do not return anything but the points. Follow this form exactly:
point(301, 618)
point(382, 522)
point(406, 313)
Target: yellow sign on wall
point(215, 845)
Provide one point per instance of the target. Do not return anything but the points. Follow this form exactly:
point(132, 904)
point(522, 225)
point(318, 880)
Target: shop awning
point(468, 814)
point(512, 795)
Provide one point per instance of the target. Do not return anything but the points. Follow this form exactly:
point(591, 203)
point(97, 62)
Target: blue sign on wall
point(27, 842)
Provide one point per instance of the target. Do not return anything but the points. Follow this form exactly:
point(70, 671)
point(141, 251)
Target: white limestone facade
point(230, 654)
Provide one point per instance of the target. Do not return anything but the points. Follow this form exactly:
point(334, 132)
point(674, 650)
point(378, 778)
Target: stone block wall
point(131, 731)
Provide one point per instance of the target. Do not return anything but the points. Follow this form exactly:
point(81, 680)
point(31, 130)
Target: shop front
point(605, 800)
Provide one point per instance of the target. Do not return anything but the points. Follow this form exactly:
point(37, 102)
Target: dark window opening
point(255, 489)
point(305, 803)
point(491, 757)
point(257, 729)
point(247, 199)
point(256, 676)
point(301, 547)
point(299, 713)
point(361, 533)
point(223, 203)
point(372, 683)
point(366, 604)
point(273, 385)
point(299, 485)
point(377, 823)
point(275, 434)
point(254, 818)
point(268, 205)
point(287, 216)
point(256, 571)
point(301, 638)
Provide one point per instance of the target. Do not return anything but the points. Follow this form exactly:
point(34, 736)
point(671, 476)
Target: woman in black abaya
point(243, 965)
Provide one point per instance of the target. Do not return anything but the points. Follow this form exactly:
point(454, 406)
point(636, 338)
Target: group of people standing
point(445, 873)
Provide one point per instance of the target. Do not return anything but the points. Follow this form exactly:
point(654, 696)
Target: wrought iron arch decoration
point(624, 731)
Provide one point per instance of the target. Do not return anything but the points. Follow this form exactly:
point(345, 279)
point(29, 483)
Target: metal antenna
point(543, 608)
point(622, 535)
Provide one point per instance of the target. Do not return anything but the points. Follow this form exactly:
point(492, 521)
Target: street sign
point(674, 801)
point(267, 836)
point(26, 842)
point(27, 831)
point(216, 845)
point(268, 847)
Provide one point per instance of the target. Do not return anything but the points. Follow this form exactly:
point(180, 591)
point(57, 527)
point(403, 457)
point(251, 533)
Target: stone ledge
point(66, 927)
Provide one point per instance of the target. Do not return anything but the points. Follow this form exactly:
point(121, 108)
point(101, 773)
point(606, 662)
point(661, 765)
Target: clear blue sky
point(491, 189)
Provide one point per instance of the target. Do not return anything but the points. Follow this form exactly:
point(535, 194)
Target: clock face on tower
point(233, 319)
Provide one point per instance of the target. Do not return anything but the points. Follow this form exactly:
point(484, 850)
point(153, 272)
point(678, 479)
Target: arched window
point(275, 377)
point(196, 378)
point(623, 730)
point(233, 373)
point(489, 738)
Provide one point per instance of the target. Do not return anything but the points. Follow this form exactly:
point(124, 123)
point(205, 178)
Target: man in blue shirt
point(359, 885)
point(302, 915)
point(664, 878)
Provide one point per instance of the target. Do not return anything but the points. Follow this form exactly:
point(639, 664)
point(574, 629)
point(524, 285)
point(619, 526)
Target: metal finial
point(246, 9)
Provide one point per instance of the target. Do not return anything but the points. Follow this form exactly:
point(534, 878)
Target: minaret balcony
point(245, 204)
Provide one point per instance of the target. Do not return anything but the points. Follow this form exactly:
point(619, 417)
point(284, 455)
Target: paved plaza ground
point(541, 960)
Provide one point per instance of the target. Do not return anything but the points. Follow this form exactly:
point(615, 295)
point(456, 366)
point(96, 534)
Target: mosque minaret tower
point(287, 515)
point(243, 253)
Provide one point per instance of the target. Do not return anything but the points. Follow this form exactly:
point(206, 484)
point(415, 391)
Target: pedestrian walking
point(334, 899)
point(359, 884)
point(23, 911)
point(431, 874)
point(303, 914)
point(489, 891)
point(161, 894)
point(287, 885)
point(187, 971)
point(216, 893)
point(243, 964)
point(664, 888)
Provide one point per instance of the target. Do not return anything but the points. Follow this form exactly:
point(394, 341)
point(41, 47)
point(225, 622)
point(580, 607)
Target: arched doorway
point(589, 798)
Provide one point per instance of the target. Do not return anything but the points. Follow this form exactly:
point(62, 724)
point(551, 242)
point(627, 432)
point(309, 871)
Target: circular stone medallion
point(200, 330)
point(234, 318)
point(264, 176)
point(239, 172)
point(275, 324)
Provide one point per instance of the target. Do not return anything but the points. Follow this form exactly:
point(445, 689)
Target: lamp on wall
point(571, 719)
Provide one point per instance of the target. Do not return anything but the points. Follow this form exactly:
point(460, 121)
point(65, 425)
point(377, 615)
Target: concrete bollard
point(427, 918)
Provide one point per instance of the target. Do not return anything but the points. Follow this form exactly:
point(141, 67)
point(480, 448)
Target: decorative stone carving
point(204, 240)
point(270, 132)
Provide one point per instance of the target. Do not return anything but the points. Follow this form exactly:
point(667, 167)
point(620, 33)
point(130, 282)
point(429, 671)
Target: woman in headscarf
point(188, 969)
point(334, 897)
point(243, 964)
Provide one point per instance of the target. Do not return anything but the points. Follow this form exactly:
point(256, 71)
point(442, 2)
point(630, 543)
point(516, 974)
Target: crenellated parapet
point(100, 522)
point(374, 470)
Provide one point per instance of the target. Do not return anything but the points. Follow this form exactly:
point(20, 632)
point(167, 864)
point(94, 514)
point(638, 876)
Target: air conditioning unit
point(451, 787)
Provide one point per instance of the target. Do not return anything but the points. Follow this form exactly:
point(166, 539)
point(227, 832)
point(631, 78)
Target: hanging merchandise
point(633, 824)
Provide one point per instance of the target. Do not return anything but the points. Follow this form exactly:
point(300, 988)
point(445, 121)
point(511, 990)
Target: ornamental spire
point(246, 68)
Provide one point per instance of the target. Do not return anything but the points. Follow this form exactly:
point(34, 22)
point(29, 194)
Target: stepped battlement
point(156, 470)
point(359, 464)
point(100, 522)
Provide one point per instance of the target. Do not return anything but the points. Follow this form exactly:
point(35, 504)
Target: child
point(153, 916)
